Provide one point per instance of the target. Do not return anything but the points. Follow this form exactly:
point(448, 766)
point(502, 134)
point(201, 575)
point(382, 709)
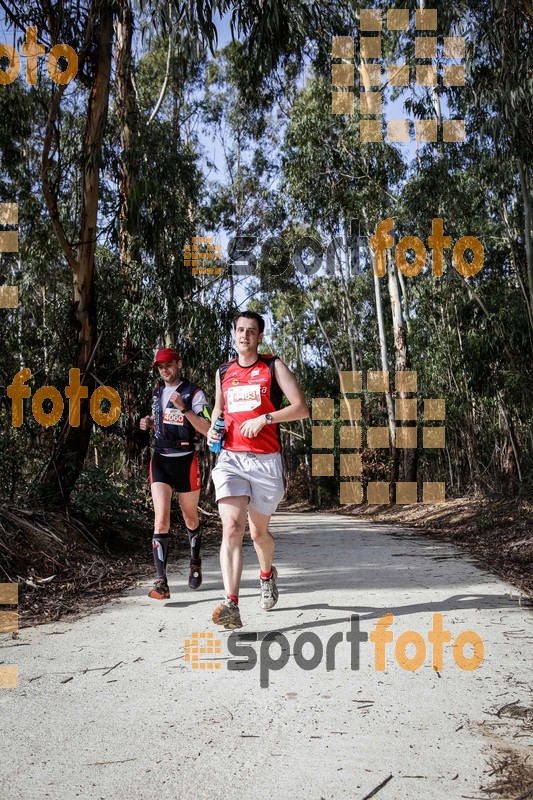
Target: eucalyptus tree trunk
point(72, 445)
point(410, 455)
point(435, 100)
point(355, 339)
point(126, 109)
point(385, 368)
point(525, 186)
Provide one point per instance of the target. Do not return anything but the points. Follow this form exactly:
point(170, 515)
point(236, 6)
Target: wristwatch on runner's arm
point(269, 419)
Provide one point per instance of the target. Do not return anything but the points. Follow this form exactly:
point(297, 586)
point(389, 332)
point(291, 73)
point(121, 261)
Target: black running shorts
point(182, 473)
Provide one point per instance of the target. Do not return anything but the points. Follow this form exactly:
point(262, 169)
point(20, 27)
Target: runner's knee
point(233, 531)
point(191, 520)
point(259, 534)
point(162, 523)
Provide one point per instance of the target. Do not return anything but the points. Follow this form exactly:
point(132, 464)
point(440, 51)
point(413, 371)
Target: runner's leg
point(162, 497)
point(188, 485)
point(233, 515)
point(189, 508)
point(262, 538)
point(264, 547)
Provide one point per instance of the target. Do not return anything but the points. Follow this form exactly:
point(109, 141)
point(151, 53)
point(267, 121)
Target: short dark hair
point(250, 315)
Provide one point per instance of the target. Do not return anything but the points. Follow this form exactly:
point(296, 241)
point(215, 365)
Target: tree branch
point(164, 87)
point(51, 200)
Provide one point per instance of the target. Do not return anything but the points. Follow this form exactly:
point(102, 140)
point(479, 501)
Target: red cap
point(166, 354)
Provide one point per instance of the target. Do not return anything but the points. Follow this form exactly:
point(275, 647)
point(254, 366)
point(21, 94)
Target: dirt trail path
point(107, 706)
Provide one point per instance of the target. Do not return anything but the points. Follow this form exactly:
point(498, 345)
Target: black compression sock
point(160, 545)
point(195, 540)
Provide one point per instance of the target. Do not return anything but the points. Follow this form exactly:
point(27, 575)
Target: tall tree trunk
point(528, 223)
point(509, 446)
point(73, 443)
point(471, 424)
point(385, 368)
point(410, 455)
point(128, 252)
point(511, 236)
point(355, 339)
point(435, 100)
point(405, 298)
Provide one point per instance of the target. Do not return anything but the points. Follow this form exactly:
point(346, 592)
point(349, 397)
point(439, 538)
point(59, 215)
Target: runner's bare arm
point(199, 423)
point(217, 411)
point(297, 408)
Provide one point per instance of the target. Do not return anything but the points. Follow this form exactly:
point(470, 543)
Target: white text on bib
point(172, 416)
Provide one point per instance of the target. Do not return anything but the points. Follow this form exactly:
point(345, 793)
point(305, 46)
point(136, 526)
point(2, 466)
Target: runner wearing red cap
point(179, 413)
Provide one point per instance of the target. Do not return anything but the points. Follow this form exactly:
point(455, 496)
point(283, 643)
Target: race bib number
point(243, 398)
point(172, 416)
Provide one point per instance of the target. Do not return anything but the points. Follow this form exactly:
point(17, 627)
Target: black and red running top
point(174, 433)
point(248, 393)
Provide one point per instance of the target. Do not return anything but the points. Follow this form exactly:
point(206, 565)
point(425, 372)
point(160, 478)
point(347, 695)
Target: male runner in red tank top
point(249, 472)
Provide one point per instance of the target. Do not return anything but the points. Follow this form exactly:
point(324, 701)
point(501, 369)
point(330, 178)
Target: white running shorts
point(256, 476)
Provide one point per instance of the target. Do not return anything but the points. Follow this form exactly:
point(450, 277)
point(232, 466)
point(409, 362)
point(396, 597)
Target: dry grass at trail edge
point(499, 534)
point(67, 565)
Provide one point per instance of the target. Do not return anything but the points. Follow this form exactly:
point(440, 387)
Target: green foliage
point(102, 499)
point(286, 168)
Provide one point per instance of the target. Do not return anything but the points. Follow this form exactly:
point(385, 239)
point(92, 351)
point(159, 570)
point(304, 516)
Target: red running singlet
point(250, 392)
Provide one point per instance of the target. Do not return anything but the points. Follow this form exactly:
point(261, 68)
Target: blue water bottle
point(218, 427)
